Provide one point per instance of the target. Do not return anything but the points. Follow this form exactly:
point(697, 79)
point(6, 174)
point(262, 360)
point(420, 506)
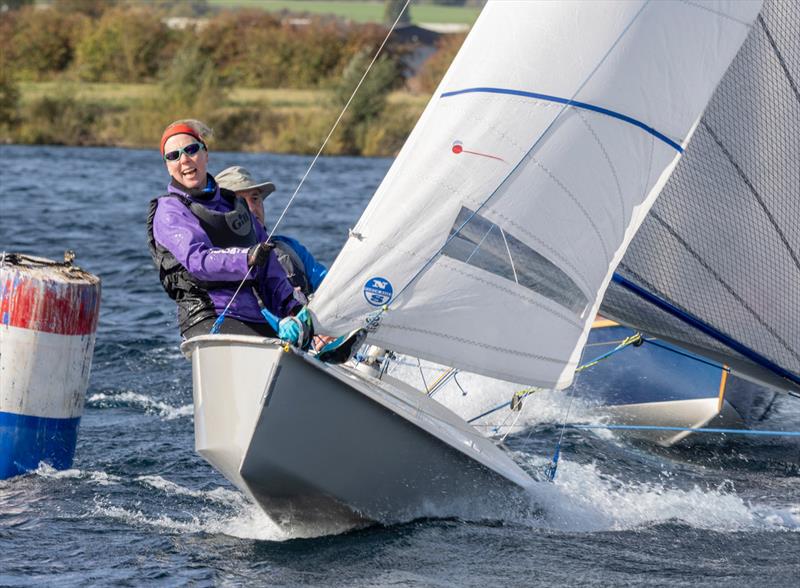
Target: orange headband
point(179, 129)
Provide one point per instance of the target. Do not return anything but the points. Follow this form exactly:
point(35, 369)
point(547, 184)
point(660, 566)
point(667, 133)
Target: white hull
point(316, 445)
point(690, 414)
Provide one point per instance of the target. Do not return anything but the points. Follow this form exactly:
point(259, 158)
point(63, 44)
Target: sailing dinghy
point(488, 247)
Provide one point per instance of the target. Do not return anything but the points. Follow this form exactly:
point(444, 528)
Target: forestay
point(716, 264)
point(497, 229)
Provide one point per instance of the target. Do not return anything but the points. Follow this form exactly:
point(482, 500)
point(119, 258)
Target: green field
point(129, 95)
point(359, 11)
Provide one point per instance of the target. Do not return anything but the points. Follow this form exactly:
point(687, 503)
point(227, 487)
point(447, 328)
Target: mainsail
point(716, 264)
point(496, 231)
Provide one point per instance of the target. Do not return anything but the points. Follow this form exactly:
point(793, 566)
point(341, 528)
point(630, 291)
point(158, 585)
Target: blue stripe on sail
point(575, 103)
point(705, 328)
point(27, 440)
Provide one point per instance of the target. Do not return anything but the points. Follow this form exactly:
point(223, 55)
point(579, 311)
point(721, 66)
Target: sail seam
point(578, 204)
point(611, 166)
point(755, 194)
point(444, 263)
point(474, 343)
point(535, 144)
point(567, 102)
point(722, 282)
point(779, 55)
point(453, 268)
point(718, 13)
point(463, 340)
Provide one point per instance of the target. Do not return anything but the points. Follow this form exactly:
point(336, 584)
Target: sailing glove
point(259, 254)
point(297, 330)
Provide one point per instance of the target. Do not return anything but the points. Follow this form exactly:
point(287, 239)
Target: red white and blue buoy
point(48, 320)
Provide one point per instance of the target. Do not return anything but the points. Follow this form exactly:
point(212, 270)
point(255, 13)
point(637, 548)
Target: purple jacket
point(178, 230)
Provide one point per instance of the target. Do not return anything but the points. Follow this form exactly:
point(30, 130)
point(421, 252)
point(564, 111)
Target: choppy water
point(140, 508)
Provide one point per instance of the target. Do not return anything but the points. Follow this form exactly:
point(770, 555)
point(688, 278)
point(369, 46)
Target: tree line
point(195, 63)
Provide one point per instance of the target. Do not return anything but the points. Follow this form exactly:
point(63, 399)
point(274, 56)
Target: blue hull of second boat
point(659, 384)
point(27, 441)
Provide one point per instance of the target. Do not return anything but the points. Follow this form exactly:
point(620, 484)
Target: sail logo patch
point(378, 291)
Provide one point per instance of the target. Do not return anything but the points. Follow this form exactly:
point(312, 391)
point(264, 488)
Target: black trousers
point(230, 326)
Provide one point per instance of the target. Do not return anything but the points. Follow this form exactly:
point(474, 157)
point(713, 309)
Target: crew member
point(205, 242)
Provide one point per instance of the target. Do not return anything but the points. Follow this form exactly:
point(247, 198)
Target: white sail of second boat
point(496, 232)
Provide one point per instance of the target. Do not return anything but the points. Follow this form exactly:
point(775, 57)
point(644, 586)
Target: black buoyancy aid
point(293, 265)
point(225, 229)
point(230, 229)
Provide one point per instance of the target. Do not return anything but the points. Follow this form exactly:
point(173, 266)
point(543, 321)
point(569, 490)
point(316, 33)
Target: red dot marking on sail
point(458, 147)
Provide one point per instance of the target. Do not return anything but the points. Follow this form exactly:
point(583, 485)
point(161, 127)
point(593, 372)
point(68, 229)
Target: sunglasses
point(191, 150)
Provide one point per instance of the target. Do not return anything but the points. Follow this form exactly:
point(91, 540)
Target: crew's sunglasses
point(191, 149)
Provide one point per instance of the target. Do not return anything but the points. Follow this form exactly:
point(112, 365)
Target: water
point(140, 508)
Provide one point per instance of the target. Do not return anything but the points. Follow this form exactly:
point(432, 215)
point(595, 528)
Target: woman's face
point(189, 170)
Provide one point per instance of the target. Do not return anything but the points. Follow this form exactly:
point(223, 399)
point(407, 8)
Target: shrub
point(434, 68)
point(191, 84)
point(127, 45)
point(43, 41)
point(9, 90)
point(60, 119)
point(240, 129)
point(91, 8)
point(369, 101)
point(386, 135)
point(9, 96)
point(256, 49)
point(303, 132)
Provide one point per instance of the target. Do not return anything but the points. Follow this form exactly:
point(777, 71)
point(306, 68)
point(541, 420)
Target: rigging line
point(632, 340)
point(478, 246)
point(455, 379)
point(341, 114)
point(689, 355)
point(218, 323)
point(511, 259)
point(521, 394)
point(564, 106)
point(520, 406)
point(513, 424)
point(441, 381)
point(755, 432)
point(524, 393)
point(424, 383)
point(705, 328)
point(551, 471)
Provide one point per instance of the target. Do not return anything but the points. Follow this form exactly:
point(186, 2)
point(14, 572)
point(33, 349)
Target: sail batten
point(505, 214)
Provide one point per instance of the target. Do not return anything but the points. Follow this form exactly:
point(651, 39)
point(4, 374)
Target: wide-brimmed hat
point(237, 178)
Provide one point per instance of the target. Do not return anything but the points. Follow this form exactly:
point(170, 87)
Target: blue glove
point(297, 330)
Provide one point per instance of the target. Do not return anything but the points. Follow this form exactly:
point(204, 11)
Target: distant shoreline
point(254, 119)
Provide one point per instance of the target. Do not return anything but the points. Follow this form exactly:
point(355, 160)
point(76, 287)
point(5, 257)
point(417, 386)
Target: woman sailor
point(205, 241)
